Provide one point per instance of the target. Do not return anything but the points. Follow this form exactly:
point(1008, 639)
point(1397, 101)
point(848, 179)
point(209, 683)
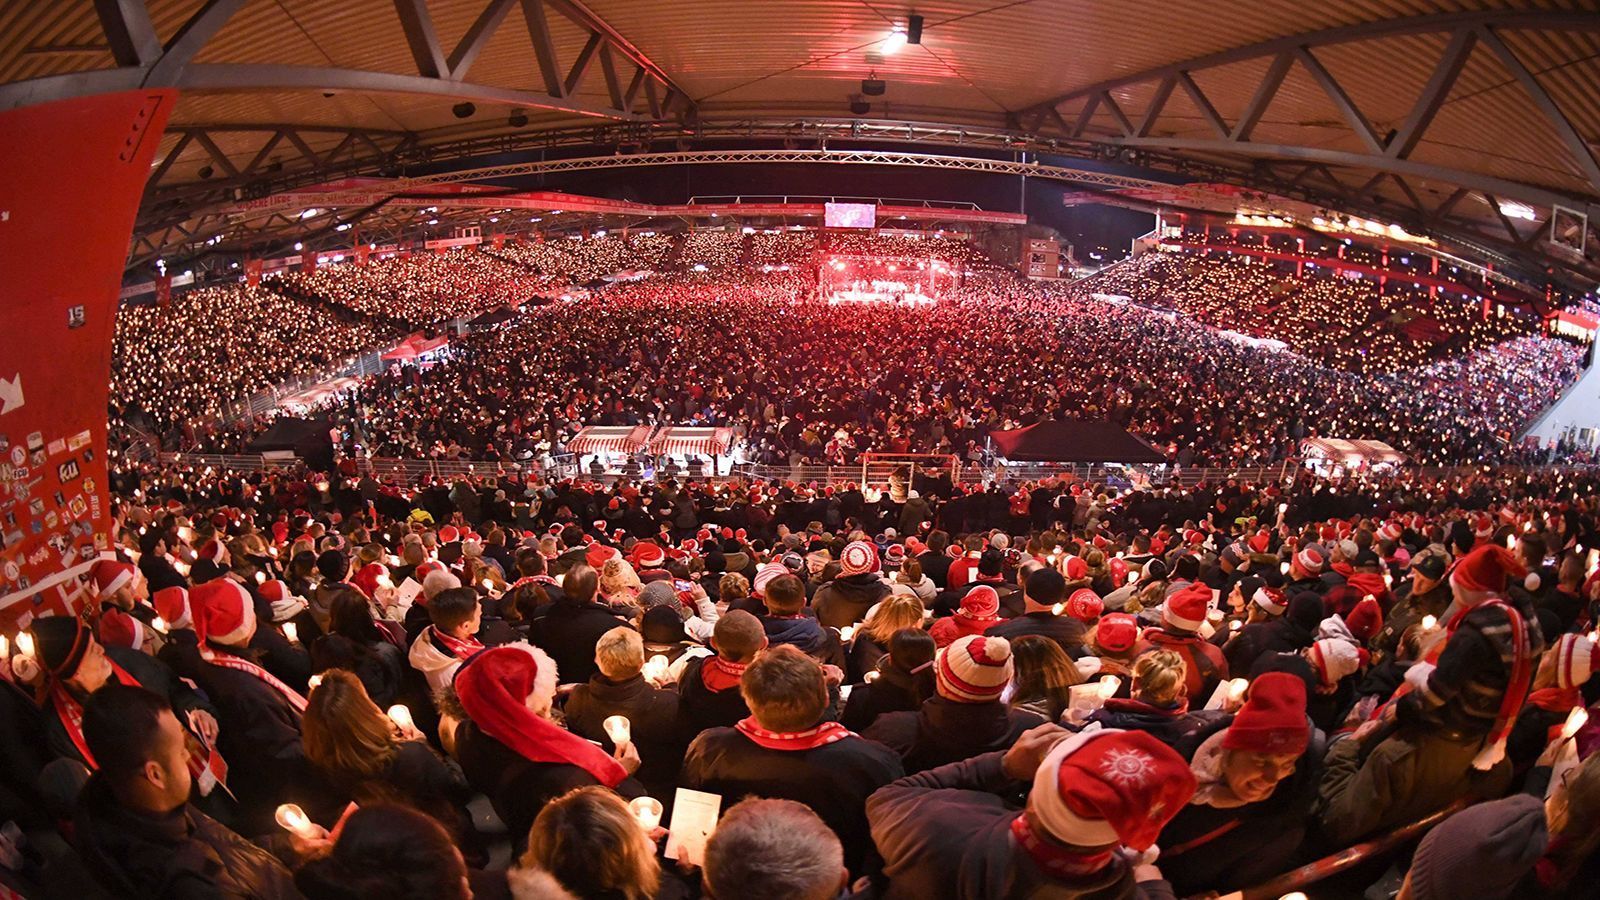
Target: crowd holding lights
point(420, 289)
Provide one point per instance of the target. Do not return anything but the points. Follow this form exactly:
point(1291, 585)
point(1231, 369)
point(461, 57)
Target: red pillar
point(62, 274)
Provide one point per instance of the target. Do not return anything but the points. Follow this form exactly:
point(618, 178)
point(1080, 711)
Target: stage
point(873, 279)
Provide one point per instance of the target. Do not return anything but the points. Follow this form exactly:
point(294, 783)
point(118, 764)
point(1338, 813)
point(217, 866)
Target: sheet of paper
point(694, 817)
point(406, 594)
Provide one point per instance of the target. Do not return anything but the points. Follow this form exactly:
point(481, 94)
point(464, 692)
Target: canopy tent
point(1074, 441)
point(1350, 453)
point(493, 317)
point(681, 441)
point(309, 439)
point(415, 346)
point(609, 439)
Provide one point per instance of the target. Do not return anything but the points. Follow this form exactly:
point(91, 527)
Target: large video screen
point(850, 215)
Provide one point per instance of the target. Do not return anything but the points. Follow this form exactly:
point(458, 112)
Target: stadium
point(994, 448)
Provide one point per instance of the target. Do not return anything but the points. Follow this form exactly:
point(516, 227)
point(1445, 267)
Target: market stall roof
point(1351, 451)
point(416, 345)
point(1076, 441)
point(682, 441)
point(609, 439)
point(493, 317)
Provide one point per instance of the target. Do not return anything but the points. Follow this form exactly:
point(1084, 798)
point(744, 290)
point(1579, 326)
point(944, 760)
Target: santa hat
point(1308, 561)
point(1365, 619)
point(285, 605)
point(915, 546)
point(213, 550)
point(1074, 569)
point(1390, 531)
point(647, 555)
point(894, 556)
point(1485, 569)
point(765, 575)
point(1098, 788)
point(1575, 660)
point(1270, 599)
point(1483, 526)
point(1260, 541)
point(690, 545)
point(449, 534)
point(973, 669)
point(1119, 571)
point(597, 554)
point(367, 578)
point(438, 581)
point(111, 576)
point(1116, 633)
point(980, 603)
point(224, 612)
point(859, 558)
point(1186, 610)
point(172, 605)
point(1085, 605)
point(1273, 718)
point(118, 629)
point(1193, 536)
point(1335, 659)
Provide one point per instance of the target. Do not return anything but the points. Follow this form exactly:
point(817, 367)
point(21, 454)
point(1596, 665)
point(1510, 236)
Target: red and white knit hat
point(1186, 610)
point(118, 629)
point(973, 669)
point(1576, 657)
point(1085, 605)
point(980, 603)
point(858, 558)
point(224, 612)
point(765, 575)
point(1486, 569)
point(1270, 599)
point(1335, 659)
point(111, 576)
point(172, 605)
point(1390, 531)
point(1099, 788)
point(1311, 560)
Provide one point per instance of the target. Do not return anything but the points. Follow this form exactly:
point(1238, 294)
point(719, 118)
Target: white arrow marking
point(11, 394)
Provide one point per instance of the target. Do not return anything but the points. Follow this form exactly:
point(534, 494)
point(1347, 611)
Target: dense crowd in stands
point(1348, 322)
point(421, 289)
point(1052, 688)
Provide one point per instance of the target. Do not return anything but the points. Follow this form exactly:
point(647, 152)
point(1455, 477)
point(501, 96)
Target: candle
point(1133, 577)
point(293, 819)
point(1283, 567)
point(1296, 895)
point(159, 624)
point(1511, 542)
point(24, 643)
point(1429, 622)
point(647, 810)
point(1236, 689)
point(261, 578)
point(400, 714)
point(291, 632)
point(313, 681)
point(5, 647)
point(1108, 686)
point(872, 676)
point(1059, 608)
point(1235, 625)
point(655, 668)
point(1575, 720)
point(618, 728)
point(847, 633)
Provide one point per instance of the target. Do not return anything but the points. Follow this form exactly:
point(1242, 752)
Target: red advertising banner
point(361, 254)
point(163, 291)
point(499, 242)
point(252, 272)
point(55, 332)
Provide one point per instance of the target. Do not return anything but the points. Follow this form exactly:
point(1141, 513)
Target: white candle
point(5, 647)
point(647, 810)
point(313, 682)
point(1576, 719)
point(1133, 577)
point(1283, 567)
point(400, 714)
point(1235, 625)
point(159, 624)
point(291, 632)
point(294, 820)
point(618, 728)
point(1059, 608)
point(655, 668)
point(1236, 689)
point(1429, 622)
point(1511, 542)
point(261, 578)
point(24, 643)
point(1108, 686)
point(847, 633)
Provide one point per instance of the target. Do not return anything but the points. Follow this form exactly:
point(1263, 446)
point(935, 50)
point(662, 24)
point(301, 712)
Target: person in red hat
point(1181, 618)
point(1113, 643)
point(1248, 815)
point(846, 599)
point(980, 609)
point(1097, 804)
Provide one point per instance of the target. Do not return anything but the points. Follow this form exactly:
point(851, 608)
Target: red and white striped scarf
point(205, 763)
point(460, 649)
point(718, 675)
point(1053, 858)
point(811, 738)
point(239, 664)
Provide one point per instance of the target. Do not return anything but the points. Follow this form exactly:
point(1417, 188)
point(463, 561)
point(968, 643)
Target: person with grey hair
point(773, 850)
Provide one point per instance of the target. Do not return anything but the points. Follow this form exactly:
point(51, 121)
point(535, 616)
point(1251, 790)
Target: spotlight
point(873, 86)
point(463, 110)
point(894, 41)
point(206, 172)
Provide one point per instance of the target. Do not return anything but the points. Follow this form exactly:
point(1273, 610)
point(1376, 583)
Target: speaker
point(874, 87)
point(914, 29)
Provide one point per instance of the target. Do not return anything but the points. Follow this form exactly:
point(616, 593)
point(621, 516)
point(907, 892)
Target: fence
point(369, 363)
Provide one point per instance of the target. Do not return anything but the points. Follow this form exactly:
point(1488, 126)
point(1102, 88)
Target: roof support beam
point(1157, 103)
point(1433, 94)
point(1574, 142)
point(1341, 99)
point(544, 47)
point(580, 66)
point(1265, 91)
point(127, 27)
point(1203, 103)
point(181, 50)
point(421, 38)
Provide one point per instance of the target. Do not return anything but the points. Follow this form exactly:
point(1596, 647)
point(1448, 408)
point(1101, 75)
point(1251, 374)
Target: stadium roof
point(1472, 119)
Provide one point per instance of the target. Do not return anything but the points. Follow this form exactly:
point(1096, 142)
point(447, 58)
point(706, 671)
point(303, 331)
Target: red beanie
point(1273, 718)
point(1486, 568)
point(118, 629)
point(1116, 633)
point(1106, 787)
point(1085, 605)
point(1186, 610)
point(110, 576)
point(1075, 569)
point(1260, 541)
point(982, 602)
point(1119, 571)
point(1365, 619)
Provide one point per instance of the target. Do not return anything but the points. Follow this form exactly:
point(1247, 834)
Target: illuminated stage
point(876, 279)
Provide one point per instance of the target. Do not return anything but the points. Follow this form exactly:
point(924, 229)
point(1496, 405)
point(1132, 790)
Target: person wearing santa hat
point(1558, 685)
point(786, 750)
point(846, 599)
point(980, 610)
point(510, 749)
point(1181, 618)
point(1256, 782)
point(1444, 735)
point(1097, 803)
point(967, 715)
point(119, 585)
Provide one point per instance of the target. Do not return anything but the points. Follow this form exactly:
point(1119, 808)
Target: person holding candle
point(1158, 703)
point(870, 641)
point(967, 714)
point(619, 689)
point(1290, 632)
point(135, 829)
point(591, 843)
point(1043, 678)
point(1425, 593)
point(574, 623)
point(846, 599)
point(356, 642)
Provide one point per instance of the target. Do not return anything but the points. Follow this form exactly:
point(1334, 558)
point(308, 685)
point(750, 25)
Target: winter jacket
point(569, 633)
point(845, 601)
point(894, 690)
point(1406, 776)
point(1408, 610)
point(942, 731)
point(182, 855)
point(1289, 633)
point(1176, 727)
point(700, 708)
point(1204, 665)
point(834, 779)
point(806, 635)
point(653, 719)
point(436, 665)
point(417, 777)
point(258, 734)
point(1064, 630)
point(152, 675)
point(945, 834)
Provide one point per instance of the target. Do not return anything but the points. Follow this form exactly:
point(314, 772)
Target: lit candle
point(1236, 689)
point(1235, 625)
point(5, 647)
point(293, 819)
point(655, 668)
point(291, 632)
point(1059, 608)
point(313, 682)
point(872, 676)
point(1283, 567)
point(261, 578)
point(1575, 720)
point(159, 624)
point(1429, 622)
point(24, 643)
point(647, 810)
point(618, 728)
point(1296, 895)
point(400, 714)
point(1108, 686)
point(847, 633)
point(1133, 577)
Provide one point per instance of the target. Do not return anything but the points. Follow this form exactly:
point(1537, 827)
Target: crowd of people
point(292, 683)
point(422, 288)
point(1346, 320)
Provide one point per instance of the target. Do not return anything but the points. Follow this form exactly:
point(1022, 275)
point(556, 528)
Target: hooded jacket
point(845, 601)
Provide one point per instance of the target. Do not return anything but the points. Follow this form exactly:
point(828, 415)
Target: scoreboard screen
point(850, 215)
